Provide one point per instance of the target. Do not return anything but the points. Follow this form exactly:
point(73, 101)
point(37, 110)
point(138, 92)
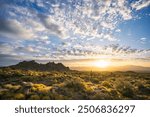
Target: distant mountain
point(119, 68)
point(32, 65)
point(132, 68)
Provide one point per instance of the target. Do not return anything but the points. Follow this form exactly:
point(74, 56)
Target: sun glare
point(102, 64)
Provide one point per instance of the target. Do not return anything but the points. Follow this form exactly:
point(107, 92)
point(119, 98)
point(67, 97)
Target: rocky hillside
point(32, 65)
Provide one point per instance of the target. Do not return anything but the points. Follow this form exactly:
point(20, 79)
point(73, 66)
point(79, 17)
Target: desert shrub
point(59, 97)
point(19, 96)
point(144, 89)
point(44, 90)
point(3, 92)
point(94, 80)
point(32, 73)
point(45, 98)
point(125, 88)
point(12, 87)
point(34, 97)
point(7, 95)
point(100, 93)
point(75, 84)
point(55, 96)
point(106, 84)
point(114, 94)
point(33, 89)
point(101, 96)
point(89, 87)
point(27, 78)
point(41, 88)
point(104, 93)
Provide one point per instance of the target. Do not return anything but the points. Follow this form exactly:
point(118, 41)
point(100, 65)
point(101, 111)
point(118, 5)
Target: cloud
point(67, 29)
point(52, 25)
point(143, 40)
point(70, 19)
point(71, 52)
point(118, 30)
point(13, 29)
point(27, 50)
point(18, 49)
point(140, 4)
point(6, 48)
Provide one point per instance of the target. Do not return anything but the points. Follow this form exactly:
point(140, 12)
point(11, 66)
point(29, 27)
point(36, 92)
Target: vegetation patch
point(54, 85)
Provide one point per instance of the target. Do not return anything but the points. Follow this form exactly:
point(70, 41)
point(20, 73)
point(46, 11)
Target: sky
point(75, 32)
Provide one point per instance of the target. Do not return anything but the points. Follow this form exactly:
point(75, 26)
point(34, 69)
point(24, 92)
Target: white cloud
point(118, 30)
point(126, 13)
point(140, 4)
point(121, 3)
point(143, 40)
point(107, 25)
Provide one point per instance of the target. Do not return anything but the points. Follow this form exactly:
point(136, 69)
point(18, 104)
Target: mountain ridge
point(33, 65)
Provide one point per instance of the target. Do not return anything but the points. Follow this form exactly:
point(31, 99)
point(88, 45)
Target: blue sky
point(74, 30)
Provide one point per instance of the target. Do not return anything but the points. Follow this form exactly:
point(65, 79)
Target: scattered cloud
point(52, 26)
point(143, 40)
point(14, 30)
point(81, 18)
point(54, 52)
point(140, 4)
point(67, 29)
point(67, 19)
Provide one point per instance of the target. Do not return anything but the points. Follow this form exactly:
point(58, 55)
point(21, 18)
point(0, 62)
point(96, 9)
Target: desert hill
point(33, 65)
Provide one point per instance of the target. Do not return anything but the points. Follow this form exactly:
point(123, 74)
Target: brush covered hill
point(32, 65)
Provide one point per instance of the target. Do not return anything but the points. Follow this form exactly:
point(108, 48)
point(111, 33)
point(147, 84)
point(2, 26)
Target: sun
point(102, 64)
